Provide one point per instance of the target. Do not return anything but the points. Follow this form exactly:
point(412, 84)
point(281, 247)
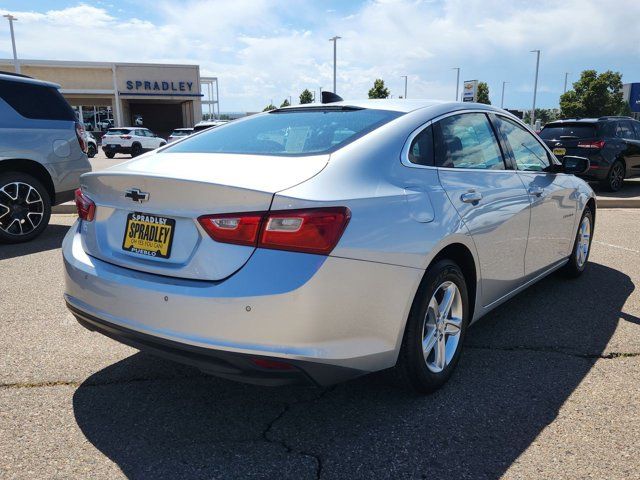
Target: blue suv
point(42, 155)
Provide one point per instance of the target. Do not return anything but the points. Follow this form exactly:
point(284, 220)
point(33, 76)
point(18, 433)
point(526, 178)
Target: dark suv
point(612, 145)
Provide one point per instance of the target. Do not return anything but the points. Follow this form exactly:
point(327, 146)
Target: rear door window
point(467, 141)
point(528, 152)
point(36, 101)
point(625, 130)
point(568, 131)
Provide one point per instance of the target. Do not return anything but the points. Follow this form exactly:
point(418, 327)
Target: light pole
point(535, 88)
point(405, 85)
point(335, 43)
point(566, 76)
point(457, 80)
point(12, 19)
point(502, 98)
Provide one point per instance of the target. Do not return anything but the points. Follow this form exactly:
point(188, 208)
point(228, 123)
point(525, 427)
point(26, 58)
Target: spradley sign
point(151, 86)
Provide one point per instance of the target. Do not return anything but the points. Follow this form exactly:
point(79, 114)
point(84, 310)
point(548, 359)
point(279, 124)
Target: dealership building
point(157, 96)
point(631, 94)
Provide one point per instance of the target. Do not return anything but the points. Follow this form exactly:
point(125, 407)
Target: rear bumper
point(330, 318)
point(116, 149)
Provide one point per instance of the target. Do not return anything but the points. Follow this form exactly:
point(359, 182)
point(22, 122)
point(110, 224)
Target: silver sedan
point(318, 243)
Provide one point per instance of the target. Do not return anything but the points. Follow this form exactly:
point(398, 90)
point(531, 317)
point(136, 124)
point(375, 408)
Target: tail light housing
point(80, 134)
point(86, 207)
point(314, 230)
point(597, 145)
point(125, 137)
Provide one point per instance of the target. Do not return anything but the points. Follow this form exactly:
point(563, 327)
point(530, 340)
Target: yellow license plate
point(559, 151)
point(148, 235)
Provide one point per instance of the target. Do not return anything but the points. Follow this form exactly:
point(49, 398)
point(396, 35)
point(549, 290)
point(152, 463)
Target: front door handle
point(471, 197)
point(537, 191)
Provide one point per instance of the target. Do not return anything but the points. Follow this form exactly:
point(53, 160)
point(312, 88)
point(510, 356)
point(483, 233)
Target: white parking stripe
point(616, 246)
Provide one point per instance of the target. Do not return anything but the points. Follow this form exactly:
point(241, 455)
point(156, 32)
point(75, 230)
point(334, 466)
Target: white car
point(92, 145)
point(204, 124)
point(179, 133)
point(131, 140)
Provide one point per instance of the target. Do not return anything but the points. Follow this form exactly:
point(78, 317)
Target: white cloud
point(267, 49)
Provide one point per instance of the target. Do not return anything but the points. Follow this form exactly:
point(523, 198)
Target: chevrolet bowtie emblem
point(136, 195)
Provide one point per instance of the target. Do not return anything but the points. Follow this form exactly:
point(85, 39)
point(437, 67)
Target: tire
point(25, 207)
point(91, 151)
point(581, 247)
point(425, 373)
point(110, 154)
point(136, 149)
point(615, 177)
point(162, 144)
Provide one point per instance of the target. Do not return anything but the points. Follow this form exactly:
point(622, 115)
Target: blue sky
point(265, 50)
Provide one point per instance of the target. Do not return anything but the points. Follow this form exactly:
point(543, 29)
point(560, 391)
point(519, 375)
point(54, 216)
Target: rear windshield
point(180, 133)
point(289, 132)
point(118, 131)
point(36, 101)
point(568, 131)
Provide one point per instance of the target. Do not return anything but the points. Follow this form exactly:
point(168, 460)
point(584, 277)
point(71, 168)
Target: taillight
point(86, 207)
point(595, 145)
point(80, 134)
point(241, 229)
point(125, 137)
point(315, 230)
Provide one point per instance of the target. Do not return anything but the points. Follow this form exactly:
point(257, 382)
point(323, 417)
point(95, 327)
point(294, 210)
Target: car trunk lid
point(160, 196)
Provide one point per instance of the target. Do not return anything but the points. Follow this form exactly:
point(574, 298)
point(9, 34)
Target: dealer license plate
point(559, 151)
point(149, 235)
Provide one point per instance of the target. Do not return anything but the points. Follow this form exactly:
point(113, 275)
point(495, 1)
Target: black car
point(612, 145)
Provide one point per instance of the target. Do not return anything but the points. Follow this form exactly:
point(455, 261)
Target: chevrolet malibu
point(314, 244)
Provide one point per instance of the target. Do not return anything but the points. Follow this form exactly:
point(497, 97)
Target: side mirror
point(575, 165)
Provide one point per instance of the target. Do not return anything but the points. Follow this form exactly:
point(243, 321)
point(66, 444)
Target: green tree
point(285, 103)
point(306, 96)
point(594, 95)
point(483, 93)
point(271, 106)
point(379, 90)
point(545, 115)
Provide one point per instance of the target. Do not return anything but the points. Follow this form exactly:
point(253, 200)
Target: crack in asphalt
point(86, 383)
point(283, 443)
point(560, 350)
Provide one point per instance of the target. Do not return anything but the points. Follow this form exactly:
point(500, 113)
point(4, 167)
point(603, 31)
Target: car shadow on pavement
point(50, 239)
point(155, 419)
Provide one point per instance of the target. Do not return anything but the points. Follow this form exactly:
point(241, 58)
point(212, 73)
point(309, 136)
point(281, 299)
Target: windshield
point(118, 131)
point(289, 132)
point(568, 130)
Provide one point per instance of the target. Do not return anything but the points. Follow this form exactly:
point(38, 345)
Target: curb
point(64, 209)
point(618, 202)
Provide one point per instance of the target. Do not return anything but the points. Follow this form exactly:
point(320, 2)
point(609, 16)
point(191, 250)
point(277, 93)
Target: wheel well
point(591, 205)
point(462, 256)
point(32, 168)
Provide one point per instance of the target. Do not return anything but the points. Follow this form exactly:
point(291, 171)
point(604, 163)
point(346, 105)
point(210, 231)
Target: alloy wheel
point(21, 208)
point(442, 327)
point(616, 176)
point(584, 242)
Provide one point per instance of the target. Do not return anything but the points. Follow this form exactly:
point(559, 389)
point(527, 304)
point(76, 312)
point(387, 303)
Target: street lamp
point(335, 42)
point(457, 80)
point(405, 85)
point(535, 88)
point(502, 98)
point(566, 76)
point(12, 19)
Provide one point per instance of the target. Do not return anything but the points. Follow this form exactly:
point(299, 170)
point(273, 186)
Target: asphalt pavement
point(548, 387)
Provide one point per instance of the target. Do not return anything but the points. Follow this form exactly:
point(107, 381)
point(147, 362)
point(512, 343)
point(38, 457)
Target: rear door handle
point(537, 191)
point(471, 197)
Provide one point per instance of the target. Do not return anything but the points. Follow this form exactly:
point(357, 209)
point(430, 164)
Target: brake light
point(86, 207)
point(315, 230)
point(80, 134)
point(595, 145)
point(271, 364)
point(125, 137)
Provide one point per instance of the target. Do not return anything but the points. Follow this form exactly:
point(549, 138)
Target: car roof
point(397, 105)
point(14, 77)
point(182, 128)
point(573, 120)
point(130, 128)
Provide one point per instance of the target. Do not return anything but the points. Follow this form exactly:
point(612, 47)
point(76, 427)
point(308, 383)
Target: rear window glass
point(180, 133)
point(36, 101)
point(288, 132)
point(568, 130)
point(118, 131)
